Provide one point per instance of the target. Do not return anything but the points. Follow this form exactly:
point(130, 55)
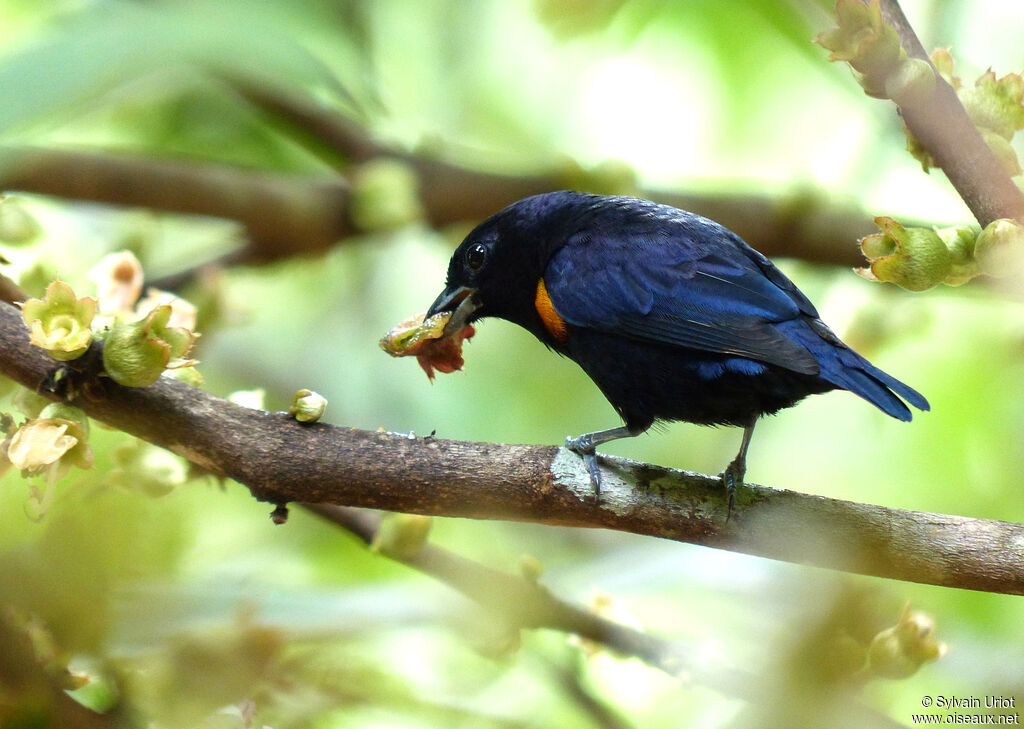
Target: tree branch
point(808, 226)
point(524, 603)
point(281, 461)
point(283, 215)
point(521, 602)
point(940, 123)
point(287, 215)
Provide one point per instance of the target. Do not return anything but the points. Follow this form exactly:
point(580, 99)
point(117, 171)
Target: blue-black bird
point(672, 315)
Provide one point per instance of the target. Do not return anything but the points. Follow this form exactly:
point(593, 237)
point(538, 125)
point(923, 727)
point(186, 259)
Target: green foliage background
point(184, 603)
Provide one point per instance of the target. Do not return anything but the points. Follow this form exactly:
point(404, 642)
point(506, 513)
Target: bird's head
point(496, 269)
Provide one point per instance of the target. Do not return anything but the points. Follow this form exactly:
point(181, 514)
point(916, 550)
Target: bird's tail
point(846, 369)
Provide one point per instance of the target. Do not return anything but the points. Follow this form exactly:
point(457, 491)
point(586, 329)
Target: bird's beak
point(461, 302)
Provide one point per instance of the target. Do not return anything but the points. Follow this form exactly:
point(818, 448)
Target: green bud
point(999, 249)
point(609, 177)
point(918, 151)
point(60, 323)
point(913, 258)
point(17, 226)
point(960, 242)
point(135, 354)
point(307, 406)
point(911, 83)
point(385, 195)
point(252, 399)
point(401, 536)
point(37, 277)
point(64, 411)
point(1003, 151)
point(530, 567)
point(844, 655)
point(899, 651)
point(865, 41)
point(29, 403)
point(942, 59)
point(147, 469)
point(572, 18)
point(189, 375)
point(996, 104)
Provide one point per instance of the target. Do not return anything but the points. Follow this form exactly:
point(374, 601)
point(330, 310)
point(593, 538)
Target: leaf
point(98, 50)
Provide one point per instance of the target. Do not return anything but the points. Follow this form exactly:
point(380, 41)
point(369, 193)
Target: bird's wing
point(696, 286)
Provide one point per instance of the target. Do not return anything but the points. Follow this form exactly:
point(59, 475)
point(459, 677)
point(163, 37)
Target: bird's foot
point(583, 446)
point(732, 479)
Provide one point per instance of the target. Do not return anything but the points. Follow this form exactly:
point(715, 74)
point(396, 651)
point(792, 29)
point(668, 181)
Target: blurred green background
point(180, 604)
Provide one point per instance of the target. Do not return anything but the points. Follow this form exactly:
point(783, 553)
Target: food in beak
point(425, 339)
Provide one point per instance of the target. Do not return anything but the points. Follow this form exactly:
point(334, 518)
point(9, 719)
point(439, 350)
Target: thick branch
point(283, 215)
point(806, 226)
point(282, 461)
point(286, 215)
point(940, 123)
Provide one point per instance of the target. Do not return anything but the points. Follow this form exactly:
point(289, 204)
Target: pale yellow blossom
point(39, 443)
point(118, 279)
point(183, 313)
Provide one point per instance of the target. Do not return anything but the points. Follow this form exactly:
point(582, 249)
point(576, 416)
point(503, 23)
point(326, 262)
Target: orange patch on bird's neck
point(552, 321)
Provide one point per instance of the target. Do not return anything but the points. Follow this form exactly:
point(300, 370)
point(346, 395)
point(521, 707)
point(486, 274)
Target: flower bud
point(942, 59)
point(63, 411)
point(530, 567)
point(17, 226)
point(913, 258)
point(189, 375)
point(608, 177)
point(996, 104)
point(385, 195)
point(911, 83)
point(999, 249)
point(252, 399)
point(29, 403)
point(147, 469)
point(183, 313)
point(118, 280)
point(1004, 152)
point(401, 536)
point(960, 242)
point(869, 44)
point(136, 354)
point(60, 323)
point(37, 276)
point(307, 406)
point(899, 651)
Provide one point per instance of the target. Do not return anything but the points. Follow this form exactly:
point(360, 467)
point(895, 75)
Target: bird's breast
point(554, 323)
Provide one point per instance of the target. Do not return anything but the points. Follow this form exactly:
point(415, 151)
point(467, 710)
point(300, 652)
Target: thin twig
point(520, 602)
point(941, 124)
point(523, 603)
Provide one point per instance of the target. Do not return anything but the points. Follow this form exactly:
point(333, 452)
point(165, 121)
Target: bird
point(673, 316)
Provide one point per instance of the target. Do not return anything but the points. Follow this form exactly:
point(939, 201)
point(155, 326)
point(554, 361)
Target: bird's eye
point(476, 256)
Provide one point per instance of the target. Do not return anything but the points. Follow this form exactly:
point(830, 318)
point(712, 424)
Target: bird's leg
point(732, 476)
point(585, 446)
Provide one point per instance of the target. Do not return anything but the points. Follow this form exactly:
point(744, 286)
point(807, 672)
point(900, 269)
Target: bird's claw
point(583, 446)
point(732, 479)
